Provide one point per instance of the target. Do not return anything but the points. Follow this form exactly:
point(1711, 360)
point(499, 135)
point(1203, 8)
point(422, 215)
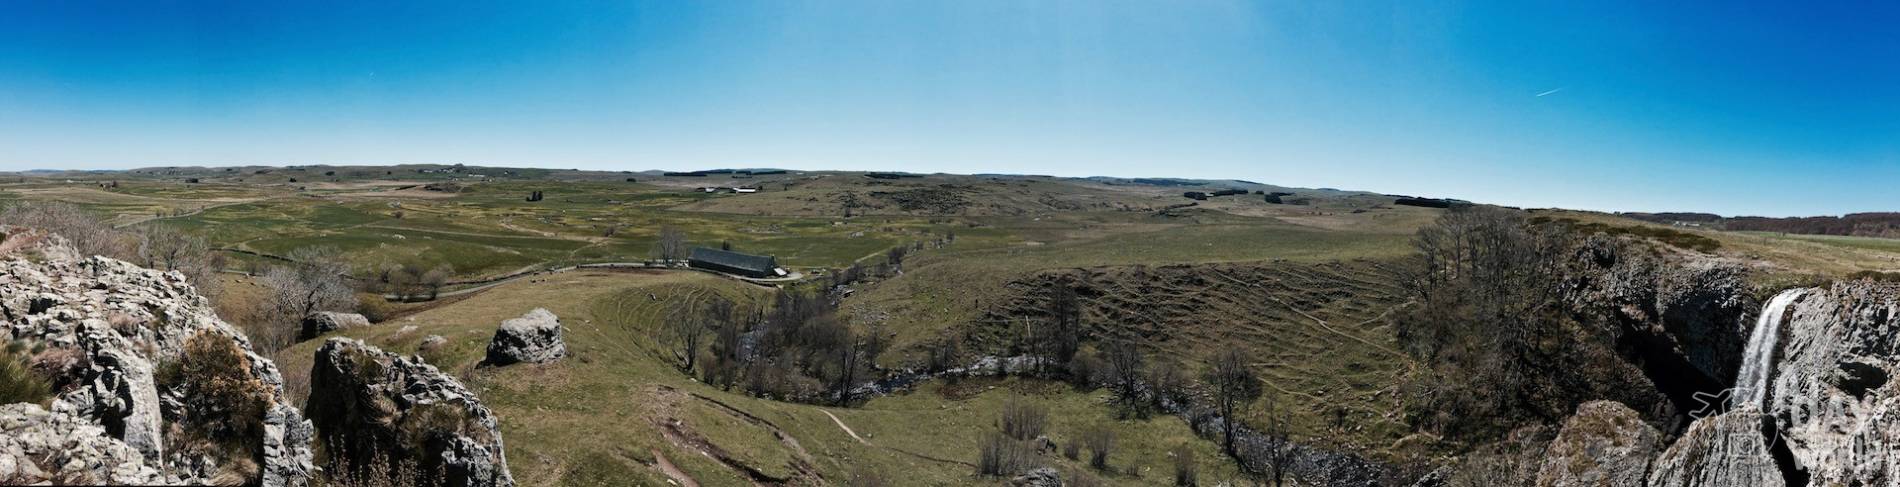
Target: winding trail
point(672, 471)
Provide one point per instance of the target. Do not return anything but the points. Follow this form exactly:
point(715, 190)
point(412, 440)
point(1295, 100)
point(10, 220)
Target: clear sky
point(1728, 107)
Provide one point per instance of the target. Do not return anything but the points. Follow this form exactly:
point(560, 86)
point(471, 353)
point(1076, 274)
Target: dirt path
point(671, 471)
point(847, 429)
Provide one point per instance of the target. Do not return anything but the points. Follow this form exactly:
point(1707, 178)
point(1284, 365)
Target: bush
point(1022, 420)
point(1099, 440)
point(373, 307)
point(1184, 474)
point(1001, 456)
point(224, 405)
point(18, 383)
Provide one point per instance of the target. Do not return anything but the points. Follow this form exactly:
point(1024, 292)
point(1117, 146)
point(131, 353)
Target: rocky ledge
point(112, 335)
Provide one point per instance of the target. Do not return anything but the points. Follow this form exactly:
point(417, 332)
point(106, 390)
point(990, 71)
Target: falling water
point(1751, 383)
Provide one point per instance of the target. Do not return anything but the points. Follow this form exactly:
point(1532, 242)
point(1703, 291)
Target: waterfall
point(1758, 361)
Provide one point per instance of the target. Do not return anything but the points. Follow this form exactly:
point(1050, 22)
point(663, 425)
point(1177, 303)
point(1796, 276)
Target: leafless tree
point(435, 278)
point(687, 329)
point(1184, 468)
point(1233, 386)
point(1167, 383)
point(671, 247)
point(88, 233)
point(1276, 452)
point(315, 282)
point(1123, 376)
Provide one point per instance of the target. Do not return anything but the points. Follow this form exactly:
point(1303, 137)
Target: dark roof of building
point(735, 260)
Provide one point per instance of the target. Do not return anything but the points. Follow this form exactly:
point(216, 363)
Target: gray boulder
point(533, 338)
point(1727, 450)
point(321, 322)
point(1039, 477)
point(369, 402)
point(1606, 444)
point(42, 447)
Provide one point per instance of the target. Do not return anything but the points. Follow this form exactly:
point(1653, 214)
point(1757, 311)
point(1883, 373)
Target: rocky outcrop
point(1726, 450)
point(122, 323)
point(1606, 444)
point(533, 338)
point(367, 402)
point(42, 447)
point(1830, 392)
point(321, 322)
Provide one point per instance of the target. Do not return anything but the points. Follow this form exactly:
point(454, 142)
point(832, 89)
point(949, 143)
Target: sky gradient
point(1726, 107)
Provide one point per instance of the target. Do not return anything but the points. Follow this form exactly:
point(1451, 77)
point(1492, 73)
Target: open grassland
point(616, 410)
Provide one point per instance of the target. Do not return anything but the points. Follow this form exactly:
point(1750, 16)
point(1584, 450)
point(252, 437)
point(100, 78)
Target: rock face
point(534, 338)
point(368, 402)
point(37, 446)
point(1606, 444)
point(121, 323)
point(1831, 392)
point(1727, 450)
point(322, 322)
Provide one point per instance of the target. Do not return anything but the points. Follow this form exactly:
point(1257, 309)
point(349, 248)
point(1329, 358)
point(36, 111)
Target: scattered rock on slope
point(322, 322)
point(368, 402)
point(118, 323)
point(1040, 477)
point(1606, 444)
point(534, 338)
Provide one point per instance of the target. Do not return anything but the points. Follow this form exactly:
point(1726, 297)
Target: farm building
point(734, 263)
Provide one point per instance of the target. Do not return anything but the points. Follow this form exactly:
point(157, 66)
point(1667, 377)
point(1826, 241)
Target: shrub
point(1184, 474)
point(224, 405)
point(18, 383)
point(1001, 455)
point(1022, 420)
point(1099, 440)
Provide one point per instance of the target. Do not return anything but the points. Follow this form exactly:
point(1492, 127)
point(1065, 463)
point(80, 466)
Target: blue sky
point(1729, 107)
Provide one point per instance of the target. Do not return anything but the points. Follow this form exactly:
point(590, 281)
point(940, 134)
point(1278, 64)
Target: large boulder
point(1831, 391)
point(42, 447)
point(1726, 450)
point(1606, 444)
point(533, 338)
point(378, 409)
point(120, 324)
point(321, 322)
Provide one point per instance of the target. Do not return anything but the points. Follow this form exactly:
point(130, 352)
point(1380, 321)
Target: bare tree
point(1022, 420)
point(435, 278)
point(1233, 386)
point(1123, 376)
point(1184, 473)
point(88, 234)
point(1276, 454)
point(314, 283)
point(671, 247)
point(687, 329)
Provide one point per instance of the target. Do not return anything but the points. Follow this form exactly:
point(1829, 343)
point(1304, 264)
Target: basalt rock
point(1606, 444)
point(533, 338)
point(321, 322)
point(1727, 450)
point(374, 406)
point(118, 324)
point(1829, 391)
